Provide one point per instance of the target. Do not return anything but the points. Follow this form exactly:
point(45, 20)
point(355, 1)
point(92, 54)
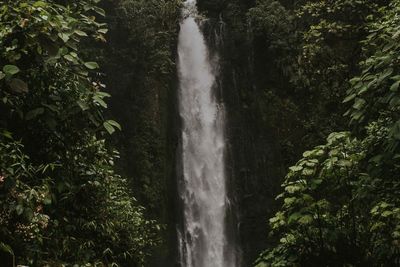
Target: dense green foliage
point(317, 48)
point(61, 202)
point(340, 204)
point(288, 67)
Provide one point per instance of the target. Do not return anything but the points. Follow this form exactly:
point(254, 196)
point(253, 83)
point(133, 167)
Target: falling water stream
point(203, 239)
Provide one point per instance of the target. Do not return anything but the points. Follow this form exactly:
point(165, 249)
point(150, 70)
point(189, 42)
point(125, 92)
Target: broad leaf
point(10, 69)
point(91, 65)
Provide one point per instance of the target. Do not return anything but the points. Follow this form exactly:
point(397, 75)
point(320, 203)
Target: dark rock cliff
point(140, 73)
point(264, 127)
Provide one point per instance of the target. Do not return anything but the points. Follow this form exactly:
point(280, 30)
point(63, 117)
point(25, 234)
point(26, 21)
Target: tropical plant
point(340, 205)
point(61, 200)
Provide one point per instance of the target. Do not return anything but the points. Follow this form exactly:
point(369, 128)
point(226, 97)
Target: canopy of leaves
point(340, 202)
point(61, 202)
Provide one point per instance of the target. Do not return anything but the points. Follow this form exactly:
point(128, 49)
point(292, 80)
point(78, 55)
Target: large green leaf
point(110, 129)
point(115, 124)
point(395, 86)
point(91, 65)
point(110, 126)
point(80, 33)
point(10, 69)
point(6, 248)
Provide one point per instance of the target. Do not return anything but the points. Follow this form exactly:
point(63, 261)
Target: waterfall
point(203, 239)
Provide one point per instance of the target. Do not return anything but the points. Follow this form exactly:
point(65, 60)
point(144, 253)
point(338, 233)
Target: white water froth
point(203, 242)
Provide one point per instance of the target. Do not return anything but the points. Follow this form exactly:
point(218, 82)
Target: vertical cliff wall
point(254, 157)
point(269, 121)
point(140, 73)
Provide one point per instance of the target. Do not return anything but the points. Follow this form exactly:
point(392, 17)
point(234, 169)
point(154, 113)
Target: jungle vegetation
point(88, 130)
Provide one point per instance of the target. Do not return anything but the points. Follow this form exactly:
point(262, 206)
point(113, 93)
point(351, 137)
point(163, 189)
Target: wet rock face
point(143, 88)
point(255, 163)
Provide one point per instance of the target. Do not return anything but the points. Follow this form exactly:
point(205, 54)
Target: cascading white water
point(203, 241)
